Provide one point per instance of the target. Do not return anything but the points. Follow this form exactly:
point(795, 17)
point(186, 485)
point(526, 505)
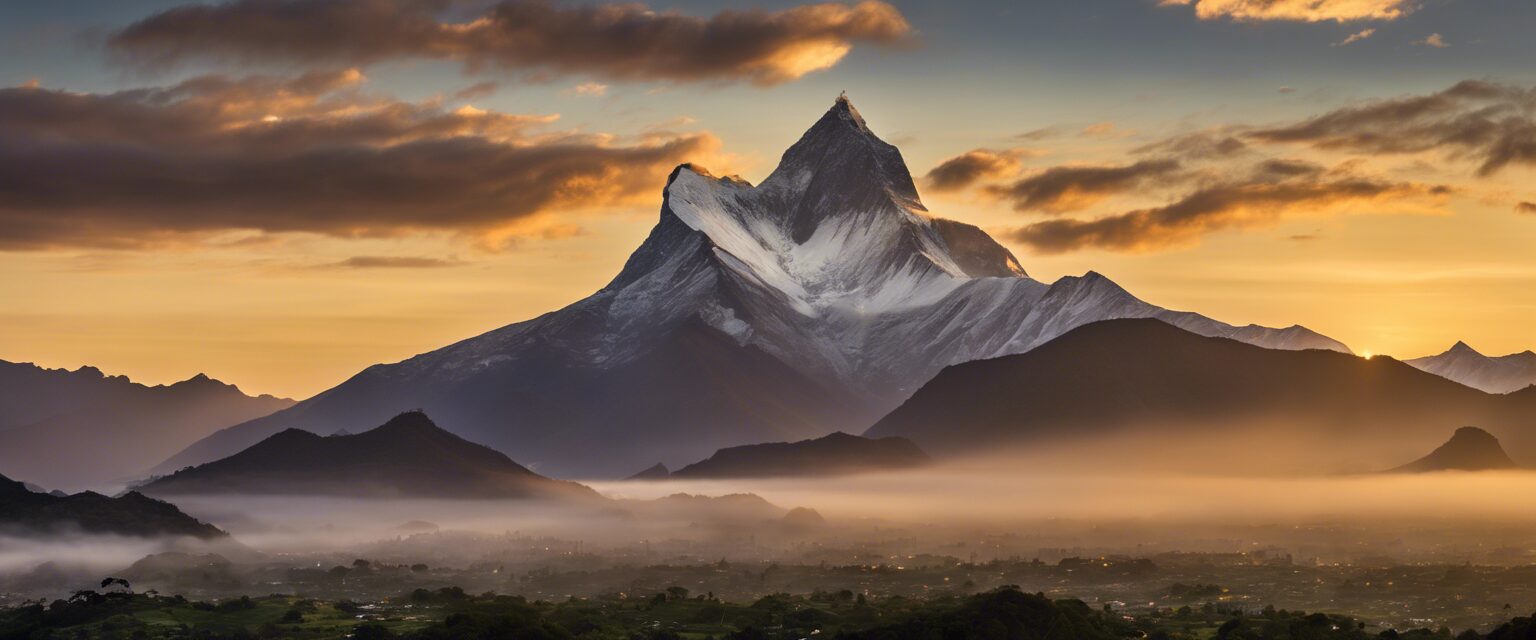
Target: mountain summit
point(811, 303)
point(1494, 374)
point(1144, 378)
point(83, 429)
point(409, 456)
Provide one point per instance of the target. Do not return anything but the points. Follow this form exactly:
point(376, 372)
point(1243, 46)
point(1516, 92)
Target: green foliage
point(1007, 613)
point(1004, 614)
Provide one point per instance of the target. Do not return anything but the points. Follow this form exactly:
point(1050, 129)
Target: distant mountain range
point(1469, 449)
point(1123, 375)
point(813, 302)
point(83, 429)
point(830, 455)
point(408, 456)
point(24, 512)
point(1494, 374)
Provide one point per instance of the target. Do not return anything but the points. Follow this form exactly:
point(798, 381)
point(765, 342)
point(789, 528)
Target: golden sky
point(283, 223)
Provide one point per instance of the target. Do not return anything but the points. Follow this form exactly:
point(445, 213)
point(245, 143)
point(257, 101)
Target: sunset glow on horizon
point(1257, 166)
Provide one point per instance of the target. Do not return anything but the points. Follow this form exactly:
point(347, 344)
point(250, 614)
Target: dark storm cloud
point(1259, 200)
point(306, 154)
point(1068, 188)
point(1491, 124)
point(617, 41)
point(972, 166)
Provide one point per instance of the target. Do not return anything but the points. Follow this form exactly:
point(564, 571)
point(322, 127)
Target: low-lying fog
point(1018, 507)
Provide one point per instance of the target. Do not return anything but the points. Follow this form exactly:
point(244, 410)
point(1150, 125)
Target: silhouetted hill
point(740, 508)
point(656, 471)
point(1469, 449)
point(407, 456)
point(803, 518)
point(133, 514)
point(82, 429)
point(1119, 374)
point(835, 454)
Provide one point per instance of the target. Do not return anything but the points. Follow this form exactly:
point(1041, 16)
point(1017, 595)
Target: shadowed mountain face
point(133, 514)
point(81, 429)
point(1469, 449)
point(409, 456)
point(811, 303)
point(1124, 375)
point(835, 454)
point(1494, 374)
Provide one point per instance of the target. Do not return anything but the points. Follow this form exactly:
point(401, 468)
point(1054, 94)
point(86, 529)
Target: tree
point(109, 581)
point(372, 631)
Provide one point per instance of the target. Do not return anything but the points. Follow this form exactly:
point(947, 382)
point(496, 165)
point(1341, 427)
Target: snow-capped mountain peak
point(1494, 374)
point(838, 225)
point(813, 302)
point(1462, 348)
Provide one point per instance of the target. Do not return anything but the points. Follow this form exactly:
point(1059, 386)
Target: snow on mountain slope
point(1494, 374)
point(811, 303)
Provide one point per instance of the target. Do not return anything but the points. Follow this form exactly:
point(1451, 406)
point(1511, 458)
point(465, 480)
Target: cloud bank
point(311, 153)
point(1071, 188)
point(1260, 200)
point(1489, 123)
point(613, 41)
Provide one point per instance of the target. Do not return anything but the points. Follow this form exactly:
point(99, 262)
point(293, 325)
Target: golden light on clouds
point(306, 154)
point(1297, 10)
point(611, 41)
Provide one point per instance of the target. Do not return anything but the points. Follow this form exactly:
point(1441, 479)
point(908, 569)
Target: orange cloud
point(617, 41)
point(1488, 122)
point(1271, 193)
point(966, 169)
point(1434, 40)
point(392, 262)
point(310, 154)
point(1297, 10)
point(1071, 188)
point(1355, 37)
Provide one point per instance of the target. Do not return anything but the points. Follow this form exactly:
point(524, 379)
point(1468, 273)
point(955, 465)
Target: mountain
point(83, 429)
point(656, 471)
point(830, 455)
point(25, 512)
point(815, 301)
point(1469, 449)
point(409, 456)
point(739, 508)
point(1494, 374)
point(1144, 375)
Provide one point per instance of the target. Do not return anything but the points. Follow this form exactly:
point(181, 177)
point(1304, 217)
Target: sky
point(279, 193)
